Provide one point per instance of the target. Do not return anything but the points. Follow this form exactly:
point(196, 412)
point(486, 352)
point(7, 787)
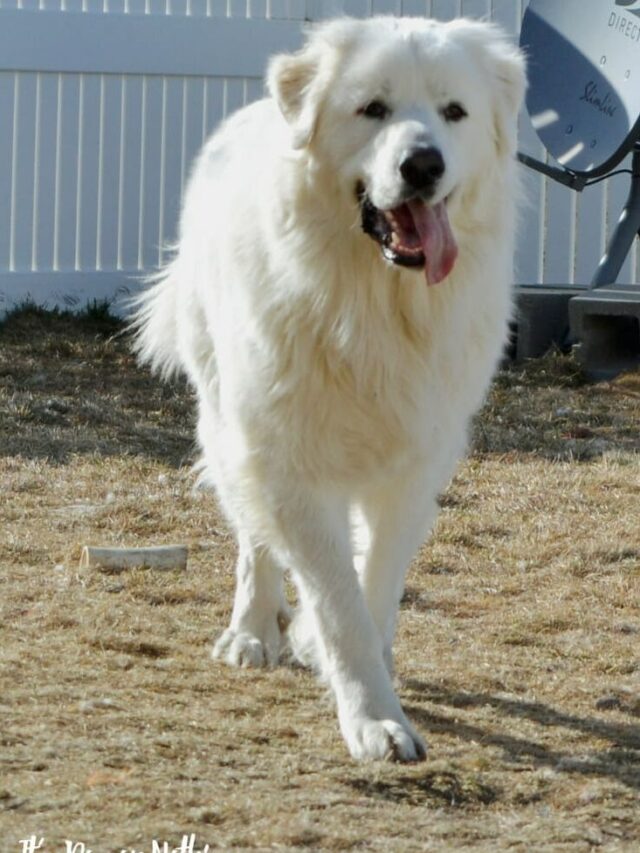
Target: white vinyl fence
point(104, 104)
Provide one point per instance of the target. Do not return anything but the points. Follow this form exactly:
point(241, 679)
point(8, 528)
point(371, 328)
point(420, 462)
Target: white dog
point(339, 300)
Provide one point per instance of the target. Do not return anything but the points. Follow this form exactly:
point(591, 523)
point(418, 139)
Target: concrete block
point(605, 326)
point(542, 319)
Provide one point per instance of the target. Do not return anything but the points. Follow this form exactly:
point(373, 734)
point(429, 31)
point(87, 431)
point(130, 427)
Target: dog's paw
point(241, 648)
point(383, 740)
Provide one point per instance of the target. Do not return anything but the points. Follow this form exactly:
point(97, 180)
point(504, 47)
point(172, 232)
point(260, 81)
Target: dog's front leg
point(397, 514)
point(315, 542)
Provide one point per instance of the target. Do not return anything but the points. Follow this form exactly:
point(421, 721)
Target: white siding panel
point(297, 10)
point(67, 173)
point(151, 172)
point(476, 8)
point(156, 7)
point(236, 8)
point(257, 9)
point(24, 161)
point(88, 173)
point(445, 10)
point(217, 8)
point(171, 173)
point(507, 13)
point(357, 8)
point(193, 106)
point(284, 9)
point(560, 217)
point(233, 97)
point(590, 228)
point(385, 7)
point(138, 44)
point(254, 90)
point(529, 260)
point(415, 8)
point(111, 95)
point(7, 85)
point(197, 8)
point(131, 164)
point(213, 104)
point(618, 189)
point(44, 211)
point(277, 9)
point(287, 10)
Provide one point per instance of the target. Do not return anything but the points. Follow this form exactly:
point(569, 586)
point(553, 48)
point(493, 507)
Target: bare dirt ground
point(518, 652)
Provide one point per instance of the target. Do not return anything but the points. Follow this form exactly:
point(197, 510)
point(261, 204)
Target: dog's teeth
point(406, 250)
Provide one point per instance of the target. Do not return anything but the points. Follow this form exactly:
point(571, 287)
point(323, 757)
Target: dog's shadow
point(620, 760)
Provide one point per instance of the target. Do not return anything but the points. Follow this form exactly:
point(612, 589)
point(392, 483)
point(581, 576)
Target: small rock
point(208, 816)
point(579, 432)
point(594, 837)
point(97, 705)
point(58, 406)
point(608, 703)
point(9, 802)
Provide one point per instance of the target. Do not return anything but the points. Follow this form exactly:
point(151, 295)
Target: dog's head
point(405, 113)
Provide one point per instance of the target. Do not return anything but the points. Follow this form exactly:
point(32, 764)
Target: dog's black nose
point(422, 168)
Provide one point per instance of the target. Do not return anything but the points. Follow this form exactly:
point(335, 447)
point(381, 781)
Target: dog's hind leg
point(260, 613)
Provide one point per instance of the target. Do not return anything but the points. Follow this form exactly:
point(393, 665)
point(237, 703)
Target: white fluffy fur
point(333, 387)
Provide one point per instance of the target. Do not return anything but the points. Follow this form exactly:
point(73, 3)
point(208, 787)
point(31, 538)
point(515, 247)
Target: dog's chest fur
point(365, 378)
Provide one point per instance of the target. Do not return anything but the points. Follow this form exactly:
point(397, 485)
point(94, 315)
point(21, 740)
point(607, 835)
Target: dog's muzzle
point(415, 233)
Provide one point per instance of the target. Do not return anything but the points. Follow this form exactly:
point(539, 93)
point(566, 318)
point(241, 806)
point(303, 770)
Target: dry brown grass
point(518, 651)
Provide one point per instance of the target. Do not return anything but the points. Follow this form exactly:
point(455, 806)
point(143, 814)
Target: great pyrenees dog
point(339, 300)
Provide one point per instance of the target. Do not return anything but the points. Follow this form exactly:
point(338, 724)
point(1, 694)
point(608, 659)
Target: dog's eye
point(454, 112)
point(375, 109)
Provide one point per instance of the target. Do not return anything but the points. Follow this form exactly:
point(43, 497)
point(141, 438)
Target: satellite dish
point(584, 80)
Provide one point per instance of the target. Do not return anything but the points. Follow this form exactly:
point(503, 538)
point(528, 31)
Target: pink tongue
point(438, 243)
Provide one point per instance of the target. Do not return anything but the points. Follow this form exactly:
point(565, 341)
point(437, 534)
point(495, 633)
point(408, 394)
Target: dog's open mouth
point(414, 234)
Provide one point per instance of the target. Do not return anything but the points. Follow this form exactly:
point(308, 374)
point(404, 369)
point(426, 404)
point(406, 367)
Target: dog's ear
point(294, 81)
point(509, 69)
point(505, 66)
point(300, 81)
